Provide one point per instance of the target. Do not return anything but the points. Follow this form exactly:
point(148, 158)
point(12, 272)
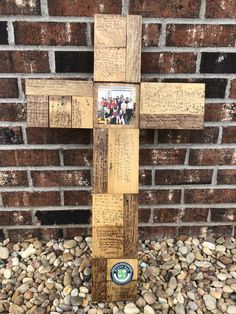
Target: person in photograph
point(130, 108)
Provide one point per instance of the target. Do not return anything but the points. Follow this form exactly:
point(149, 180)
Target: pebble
point(7, 273)
point(28, 252)
point(231, 309)
point(70, 244)
point(210, 302)
point(131, 308)
point(172, 283)
point(150, 298)
point(4, 253)
point(148, 310)
point(183, 250)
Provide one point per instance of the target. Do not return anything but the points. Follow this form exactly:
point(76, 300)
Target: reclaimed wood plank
point(109, 64)
point(132, 262)
point(82, 112)
point(107, 210)
point(123, 160)
point(133, 49)
point(100, 165)
point(99, 286)
point(37, 111)
point(107, 242)
point(177, 121)
point(121, 293)
point(109, 31)
point(59, 88)
point(130, 226)
point(59, 112)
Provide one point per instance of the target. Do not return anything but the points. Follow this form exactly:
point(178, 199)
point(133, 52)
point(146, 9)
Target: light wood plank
point(107, 242)
point(133, 49)
point(59, 88)
point(109, 31)
point(99, 286)
point(82, 112)
point(37, 111)
point(107, 210)
point(130, 226)
point(123, 160)
point(60, 112)
point(109, 64)
point(132, 262)
point(121, 293)
point(100, 157)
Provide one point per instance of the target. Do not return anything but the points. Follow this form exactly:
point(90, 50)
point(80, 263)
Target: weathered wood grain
point(132, 262)
point(107, 210)
point(123, 160)
point(130, 226)
point(59, 88)
point(59, 112)
point(107, 242)
point(133, 48)
point(176, 121)
point(82, 112)
point(109, 64)
point(121, 293)
point(109, 31)
point(100, 157)
point(99, 286)
point(37, 111)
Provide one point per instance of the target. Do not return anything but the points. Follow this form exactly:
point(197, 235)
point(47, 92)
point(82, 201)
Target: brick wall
point(187, 178)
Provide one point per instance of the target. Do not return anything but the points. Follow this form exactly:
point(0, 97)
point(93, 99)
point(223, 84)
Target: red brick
point(175, 215)
point(200, 35)
point(229, 134)
point(13, 178)
point(61, 178)
point(164, 215)
point(157, 232)
point(25, 7)
point(8, 88)
point(220, 9)
point(58, 136)
point(168, 62)
point(15, 218)
point(194, 214)
point(73, 232)
point(206, 231)
point(84, 7)
point(24, 62)
point(233, 89)
point(210, 196)
point(171, 8)
point(223, 214)
point(27, 199)
point(205, 136)
point(27, 157)
point(220, 112)
point(205, 157)
point(72, 198)
point(78, 157)
point(45, 234)
point(11, 135)
point(226, 176)
point(12, 112)
point(154, 197)
point(146, 136)
point(161, 157)
point(151, 35)
point(186, 176)
point(33, 33)
point(144, 215)
point(145, 177)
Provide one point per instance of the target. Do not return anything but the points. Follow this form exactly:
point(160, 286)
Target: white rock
point(172, 283)
point(28, 252)
point(148, 310)
point(190, 258)
point(4, 252)
point(210, 302)
point(70, 244)
point(222, 276)
point(231, 309)
point(179, 309)
point(210, 245)
point(7, 273)
point(202, 264)
point(183, 249)
point(131, 308)
point(220, 248)
point(149, 297)
point(83, 289)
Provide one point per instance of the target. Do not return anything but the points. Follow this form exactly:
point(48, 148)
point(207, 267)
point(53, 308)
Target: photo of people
point(116, 105)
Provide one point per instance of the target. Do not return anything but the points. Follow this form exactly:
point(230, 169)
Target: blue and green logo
point(121, 273)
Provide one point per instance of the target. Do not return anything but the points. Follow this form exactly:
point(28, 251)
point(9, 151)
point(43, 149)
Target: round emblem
point(121, 273)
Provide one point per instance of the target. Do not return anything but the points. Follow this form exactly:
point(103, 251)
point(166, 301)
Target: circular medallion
point(121, 273)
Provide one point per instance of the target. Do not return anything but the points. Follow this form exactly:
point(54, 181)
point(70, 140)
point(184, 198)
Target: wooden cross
point(116, 105)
